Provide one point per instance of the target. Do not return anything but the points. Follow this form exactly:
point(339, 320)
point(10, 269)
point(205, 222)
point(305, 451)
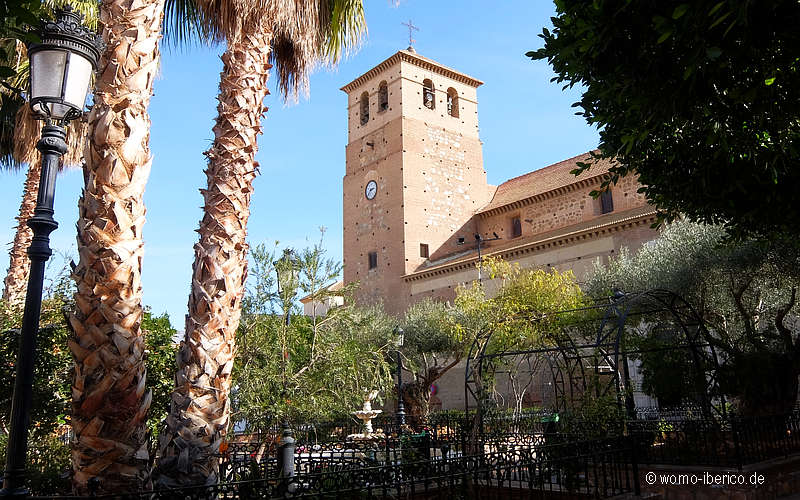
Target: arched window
point(452, 102)
point(383, 97)
point(428, 94)
point(364, 108)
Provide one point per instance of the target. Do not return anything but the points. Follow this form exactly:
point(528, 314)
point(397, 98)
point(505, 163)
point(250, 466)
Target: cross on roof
point(411, 30)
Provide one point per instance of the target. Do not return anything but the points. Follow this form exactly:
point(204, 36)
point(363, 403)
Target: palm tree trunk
point(109, 400)
point(16, 282)
point(200, 408)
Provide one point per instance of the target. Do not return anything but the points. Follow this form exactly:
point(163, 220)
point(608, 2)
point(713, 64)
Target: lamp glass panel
point(78, 76)
point(47, 73)
point(58, 111)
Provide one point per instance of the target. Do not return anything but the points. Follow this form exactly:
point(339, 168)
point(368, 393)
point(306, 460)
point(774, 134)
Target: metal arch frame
point(607, 347)
point(706, 363)
point(564, 349)
point(477, 351)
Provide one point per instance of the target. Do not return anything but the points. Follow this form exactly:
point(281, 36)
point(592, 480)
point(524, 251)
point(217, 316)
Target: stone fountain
point(366, 414)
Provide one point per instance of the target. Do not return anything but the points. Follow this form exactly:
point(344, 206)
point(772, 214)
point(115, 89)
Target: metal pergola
point(595, 363)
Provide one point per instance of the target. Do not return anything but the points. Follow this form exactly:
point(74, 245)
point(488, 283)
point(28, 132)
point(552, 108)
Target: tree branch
point(737, 300)
point(786, 334)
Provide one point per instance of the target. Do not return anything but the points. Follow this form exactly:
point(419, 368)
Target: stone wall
point(444, 186)
point(562, 208)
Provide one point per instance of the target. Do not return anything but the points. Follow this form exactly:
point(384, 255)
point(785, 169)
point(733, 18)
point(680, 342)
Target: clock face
point(372, 190)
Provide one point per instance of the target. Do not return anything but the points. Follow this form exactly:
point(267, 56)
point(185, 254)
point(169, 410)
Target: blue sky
point(526, 123)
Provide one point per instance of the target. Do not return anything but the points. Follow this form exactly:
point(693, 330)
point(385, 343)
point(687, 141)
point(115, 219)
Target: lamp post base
point(15, 477)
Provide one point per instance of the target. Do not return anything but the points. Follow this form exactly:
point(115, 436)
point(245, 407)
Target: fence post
point(637, 487)
point(286, 452)
point(736, 443)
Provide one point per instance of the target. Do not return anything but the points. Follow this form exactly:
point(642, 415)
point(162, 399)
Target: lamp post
point(287, 263)
point(401, 412)
point(61, 68)
point(480, 241)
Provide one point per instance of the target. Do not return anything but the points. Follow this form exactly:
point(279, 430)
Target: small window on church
point(452, 102)
point(364, 108)
point(423, 250)
point(428, 94)
point(606, 202)
point(516, 227)
point(373, 260)
point(383, 97)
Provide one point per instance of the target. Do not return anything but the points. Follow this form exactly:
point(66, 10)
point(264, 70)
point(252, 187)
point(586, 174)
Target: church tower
point(414, 172)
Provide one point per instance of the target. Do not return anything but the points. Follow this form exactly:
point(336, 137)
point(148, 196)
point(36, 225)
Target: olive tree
point(744, 290)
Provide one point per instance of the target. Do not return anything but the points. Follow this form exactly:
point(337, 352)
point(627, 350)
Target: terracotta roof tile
point(543, 180)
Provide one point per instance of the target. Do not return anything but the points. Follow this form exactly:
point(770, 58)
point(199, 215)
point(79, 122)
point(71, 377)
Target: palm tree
point(295, 36)
point(109, 395)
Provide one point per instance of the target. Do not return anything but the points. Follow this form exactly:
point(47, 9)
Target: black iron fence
point(673, 439)
point(733, 442)
point(512, 452)
point(243, 461)
point(594, 469)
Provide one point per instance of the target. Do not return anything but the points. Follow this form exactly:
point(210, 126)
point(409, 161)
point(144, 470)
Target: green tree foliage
point(433, 343)
point(521, 314)
point(511, 310)
point(307, 368)
point(666, 371)
point(530, 309)
point(746, 292)
point(48, 452)
point(53, 362)
point(700, 99)
point(51, 381)
point(160, 353)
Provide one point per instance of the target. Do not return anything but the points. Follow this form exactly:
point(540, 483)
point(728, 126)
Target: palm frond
point(9, 105)
point(294, 55)
point(346, 28)
point(19, 130)
point(306, 34)
point(309, 34)
point(228, 19)
point(185, 24)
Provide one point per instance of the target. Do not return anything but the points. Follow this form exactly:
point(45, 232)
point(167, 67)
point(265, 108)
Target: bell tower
point(414, 172)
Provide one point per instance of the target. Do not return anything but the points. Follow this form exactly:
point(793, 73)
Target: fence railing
point(735, 442)
point(595, 469)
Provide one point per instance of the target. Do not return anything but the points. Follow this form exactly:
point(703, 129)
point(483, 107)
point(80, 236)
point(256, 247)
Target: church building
point(419, 214)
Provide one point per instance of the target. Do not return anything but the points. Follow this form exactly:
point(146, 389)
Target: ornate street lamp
point(61, 67)
point(401, 411)
point(286, 270)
